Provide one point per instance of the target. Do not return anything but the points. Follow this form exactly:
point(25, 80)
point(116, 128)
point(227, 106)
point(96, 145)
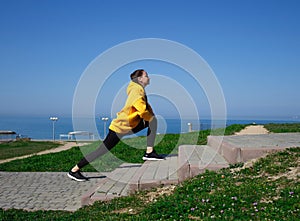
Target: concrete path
point(43, 190)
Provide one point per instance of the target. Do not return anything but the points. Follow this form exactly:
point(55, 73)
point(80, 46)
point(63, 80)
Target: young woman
point(135, 116)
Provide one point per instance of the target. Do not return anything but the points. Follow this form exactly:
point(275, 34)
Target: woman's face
point(144, 79)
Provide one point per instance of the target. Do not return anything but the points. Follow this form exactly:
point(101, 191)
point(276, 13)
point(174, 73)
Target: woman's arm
point(144, 109)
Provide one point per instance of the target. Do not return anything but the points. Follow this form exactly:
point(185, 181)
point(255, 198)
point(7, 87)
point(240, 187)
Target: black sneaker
point(152, 156)
point(77, 176)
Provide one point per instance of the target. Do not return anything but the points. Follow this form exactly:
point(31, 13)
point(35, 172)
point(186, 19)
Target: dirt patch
point(125, 210)
point(253, 129)
point(292, 174)
point(152, 196)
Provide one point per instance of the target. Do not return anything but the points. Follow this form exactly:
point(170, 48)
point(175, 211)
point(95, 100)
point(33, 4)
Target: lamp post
point(105, 119)
point(53, 119)
point(190, 127)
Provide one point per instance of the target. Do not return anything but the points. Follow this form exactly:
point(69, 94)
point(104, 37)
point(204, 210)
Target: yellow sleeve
point(144, 112)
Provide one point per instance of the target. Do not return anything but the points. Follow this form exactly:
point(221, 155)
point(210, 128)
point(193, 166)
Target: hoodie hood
point(135, 87)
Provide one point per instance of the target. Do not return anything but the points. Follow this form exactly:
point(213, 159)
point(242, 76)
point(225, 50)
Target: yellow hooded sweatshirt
point(136, 108)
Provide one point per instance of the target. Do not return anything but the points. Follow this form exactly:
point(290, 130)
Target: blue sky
point(253, 47)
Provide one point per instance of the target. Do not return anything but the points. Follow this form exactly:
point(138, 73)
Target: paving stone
point(19, 191)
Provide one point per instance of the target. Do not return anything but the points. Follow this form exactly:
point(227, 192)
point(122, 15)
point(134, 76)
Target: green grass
point(21, 148)
point(283, 128)
point(267, 190)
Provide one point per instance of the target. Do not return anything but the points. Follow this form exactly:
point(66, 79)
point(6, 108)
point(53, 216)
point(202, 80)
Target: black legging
point(113, 138)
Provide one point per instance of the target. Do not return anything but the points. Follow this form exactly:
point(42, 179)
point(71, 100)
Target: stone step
point(195, 159)
point(155, 173)
point(241, 148)
point(130, 178)
point(114, 184)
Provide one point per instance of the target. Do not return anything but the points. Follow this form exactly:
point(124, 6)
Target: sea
point(42, 128)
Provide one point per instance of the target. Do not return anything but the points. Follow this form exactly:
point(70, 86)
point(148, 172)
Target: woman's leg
point(111, 140)
point(151, 133)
